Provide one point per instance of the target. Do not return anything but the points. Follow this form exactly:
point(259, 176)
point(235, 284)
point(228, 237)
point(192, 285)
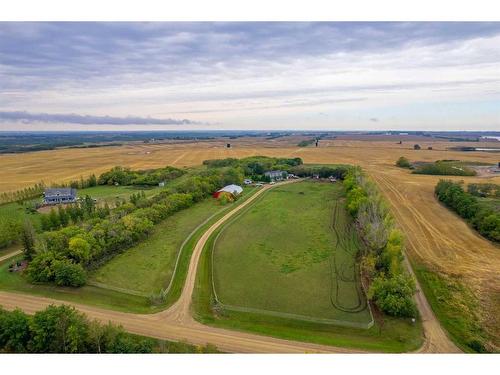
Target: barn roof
point(232, 188)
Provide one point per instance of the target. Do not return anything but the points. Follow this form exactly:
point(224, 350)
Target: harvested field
point(299, 239)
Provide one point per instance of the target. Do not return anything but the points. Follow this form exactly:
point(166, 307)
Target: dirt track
point(10, 255)
point(436, 236)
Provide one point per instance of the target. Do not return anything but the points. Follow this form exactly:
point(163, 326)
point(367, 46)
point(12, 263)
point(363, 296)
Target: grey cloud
point(49, 53)
point(27, 117)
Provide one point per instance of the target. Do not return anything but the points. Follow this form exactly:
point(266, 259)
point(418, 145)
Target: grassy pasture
point(148, 266)
point(386, 335)
point(298, 239)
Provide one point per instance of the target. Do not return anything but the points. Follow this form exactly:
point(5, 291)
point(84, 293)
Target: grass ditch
point(456, 308)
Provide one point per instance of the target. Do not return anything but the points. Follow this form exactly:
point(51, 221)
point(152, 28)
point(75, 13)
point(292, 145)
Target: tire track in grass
point(336, 274)
point(278, 313)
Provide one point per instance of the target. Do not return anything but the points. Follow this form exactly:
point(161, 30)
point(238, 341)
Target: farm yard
point(298, 239)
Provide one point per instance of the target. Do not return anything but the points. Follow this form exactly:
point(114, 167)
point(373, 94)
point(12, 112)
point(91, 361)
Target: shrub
point(67, 273)
point(59, 329)
point(14, 331)
point(444, 168)
point(403, 162)
point(62, 329)
point(484, 219)
point(394, 295)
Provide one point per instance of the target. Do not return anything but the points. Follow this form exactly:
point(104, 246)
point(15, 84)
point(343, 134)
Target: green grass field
point(18, 212)
point(386, 335)
point(148, 266)
point(298, 239)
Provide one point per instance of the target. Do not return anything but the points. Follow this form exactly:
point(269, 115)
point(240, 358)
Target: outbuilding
point(232, 189)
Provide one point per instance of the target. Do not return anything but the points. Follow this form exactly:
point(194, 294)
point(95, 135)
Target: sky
point(256, 76)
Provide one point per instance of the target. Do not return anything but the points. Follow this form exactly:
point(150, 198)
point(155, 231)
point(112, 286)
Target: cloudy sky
point(336, 76)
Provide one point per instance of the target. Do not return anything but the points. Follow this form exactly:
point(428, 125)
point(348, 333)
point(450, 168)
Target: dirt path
point(10, 255)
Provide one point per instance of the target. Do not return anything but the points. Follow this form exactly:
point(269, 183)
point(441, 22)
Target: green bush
point(484, 219)
point(394, 295)
point(62, 329)
point(14, 331)
point(444, 168)
point(403, 162)
point(67, 273)
point(151, 177)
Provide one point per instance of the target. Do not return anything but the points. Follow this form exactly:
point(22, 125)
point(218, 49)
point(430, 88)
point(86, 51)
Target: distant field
point(148, 266)
point(293, 252)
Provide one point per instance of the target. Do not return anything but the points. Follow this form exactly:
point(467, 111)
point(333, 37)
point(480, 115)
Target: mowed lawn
point(148, 266)
point(284, 256)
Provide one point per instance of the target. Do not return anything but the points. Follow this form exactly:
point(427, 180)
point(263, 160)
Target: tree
point(394, 295)
point(63, 216)
point(416, 147)
point(28, 240)
point(59, 329)
point(97, 336)
point(67, 273)
point(403, 162)
point(54, 220)
point(40, 268)
point(79, 250)
point(14, 331)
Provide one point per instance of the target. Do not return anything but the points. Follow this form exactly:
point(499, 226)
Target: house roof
point(232, 189)
point(274, 173)
point(57, 192)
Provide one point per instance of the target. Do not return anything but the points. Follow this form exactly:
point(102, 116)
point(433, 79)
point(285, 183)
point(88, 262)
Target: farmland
point(437, 240)
point(298, 239)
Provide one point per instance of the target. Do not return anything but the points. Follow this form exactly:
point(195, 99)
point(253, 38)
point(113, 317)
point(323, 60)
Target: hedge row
point(483, 218)
point(62, 329)
point(389, 286)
